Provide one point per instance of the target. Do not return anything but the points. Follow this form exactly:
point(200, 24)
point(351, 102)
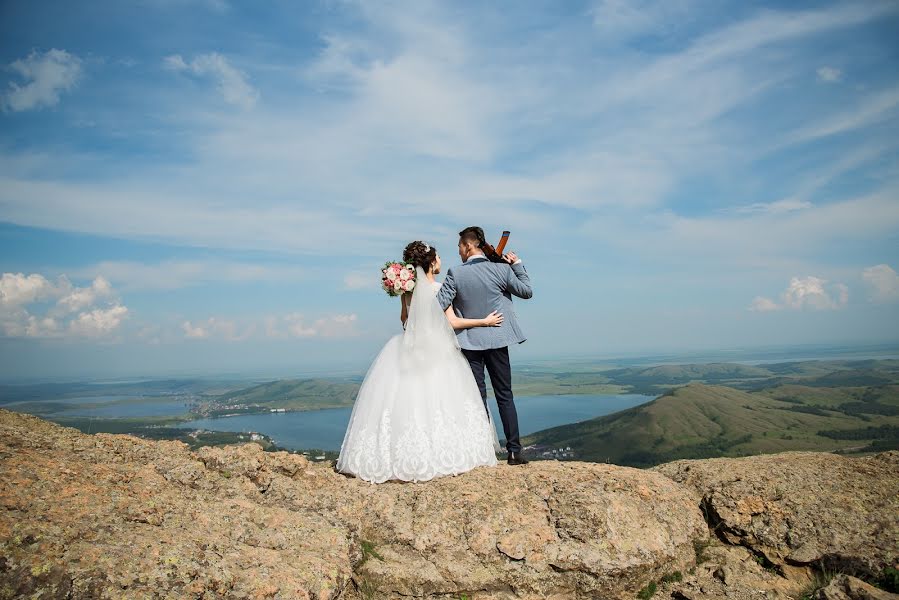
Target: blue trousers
point(496, 360)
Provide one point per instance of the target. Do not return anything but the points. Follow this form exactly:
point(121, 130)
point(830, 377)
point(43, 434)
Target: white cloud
point(337, 326)
point(416, 94)
point(292, 325)
point(41, 327)
point(412, 115)
point(780, 206)
point(296, 326)
point(810, 292)
point(46, 76)
point(194, 332)
point(99, 321)
point(883, 283)
point(327, 327)
point(829, 74)
point(80, 298)
point(622, 19)
point(732, 238)
point(92, 311)
point(175, 274)
point(806, 292)
point(215, 328)
point(175, 62)
point(232, 83)
point(17, 289)
point(729, 44)
point(872, 109)
point(761, 304)
point(144, 213)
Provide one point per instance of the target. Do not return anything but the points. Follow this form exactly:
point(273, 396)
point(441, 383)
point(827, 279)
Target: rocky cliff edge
point(114, 516)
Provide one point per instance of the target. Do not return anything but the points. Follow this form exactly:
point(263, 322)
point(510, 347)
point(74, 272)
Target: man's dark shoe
point(517, 458)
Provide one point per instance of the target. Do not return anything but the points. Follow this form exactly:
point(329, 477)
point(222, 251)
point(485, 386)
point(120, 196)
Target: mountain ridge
point(698, 420)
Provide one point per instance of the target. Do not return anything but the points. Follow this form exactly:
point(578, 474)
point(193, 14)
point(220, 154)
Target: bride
point(419, 413)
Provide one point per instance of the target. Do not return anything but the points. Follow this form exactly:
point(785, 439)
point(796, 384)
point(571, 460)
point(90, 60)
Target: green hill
point(292, 394)
point(701, 421)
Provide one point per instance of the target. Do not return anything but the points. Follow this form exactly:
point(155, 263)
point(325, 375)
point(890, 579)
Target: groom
point(475, 289)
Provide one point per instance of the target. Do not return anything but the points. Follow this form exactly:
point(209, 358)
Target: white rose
point(398, 285)
point(391, 275)
point(404, 274)
point(409, 285)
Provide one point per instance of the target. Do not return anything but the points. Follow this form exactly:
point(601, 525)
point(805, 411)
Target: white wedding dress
point(419, 413)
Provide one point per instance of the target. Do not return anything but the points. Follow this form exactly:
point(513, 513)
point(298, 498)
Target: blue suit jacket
point(478, 287)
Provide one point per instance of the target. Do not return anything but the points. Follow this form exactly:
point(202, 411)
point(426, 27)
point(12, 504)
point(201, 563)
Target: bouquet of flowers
point(397, 277)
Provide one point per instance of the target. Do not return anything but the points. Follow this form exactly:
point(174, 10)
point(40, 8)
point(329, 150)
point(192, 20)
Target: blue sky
point(209, 185)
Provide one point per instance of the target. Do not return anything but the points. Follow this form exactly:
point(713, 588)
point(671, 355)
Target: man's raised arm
point(518, 282)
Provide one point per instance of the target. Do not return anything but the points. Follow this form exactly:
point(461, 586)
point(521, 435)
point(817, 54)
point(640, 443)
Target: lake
point(324, 429)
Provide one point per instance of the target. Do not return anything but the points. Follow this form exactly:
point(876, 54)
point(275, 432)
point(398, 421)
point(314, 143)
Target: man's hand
point(511, 258)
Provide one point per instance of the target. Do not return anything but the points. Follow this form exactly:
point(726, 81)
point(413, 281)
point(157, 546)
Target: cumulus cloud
point(38, 327)
point(194, 332)
point(17, 289)
point(810, 292)
point(883, 283)
point(45, 75)
point(212, 328)
point(829, 74)
point(98, 322)
point(232, 83)
point(32, 306)
point(806, 293)
point(336, 326)
point(761, 304)
point(219, 329)
point(297, 328)
point(79, 298)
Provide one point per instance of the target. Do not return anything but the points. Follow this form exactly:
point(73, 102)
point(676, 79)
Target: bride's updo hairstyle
point(420, 254)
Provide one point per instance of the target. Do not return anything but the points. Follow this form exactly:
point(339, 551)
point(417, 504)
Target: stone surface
point(111, 516)
point(802, 508)
point(726, 571)
point(116, 516)
point(845, 587)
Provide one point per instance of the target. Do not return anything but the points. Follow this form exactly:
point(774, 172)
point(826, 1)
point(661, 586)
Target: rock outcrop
point(845, 587)
point(802, 508)
point(113, 516)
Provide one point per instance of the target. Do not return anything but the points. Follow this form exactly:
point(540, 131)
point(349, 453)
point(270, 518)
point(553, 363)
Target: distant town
point(548, 453)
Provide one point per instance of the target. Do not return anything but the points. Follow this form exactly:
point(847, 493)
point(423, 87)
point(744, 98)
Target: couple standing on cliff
point(422, 409)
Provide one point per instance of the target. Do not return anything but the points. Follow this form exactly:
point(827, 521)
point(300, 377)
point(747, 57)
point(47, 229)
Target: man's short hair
point(473, 234)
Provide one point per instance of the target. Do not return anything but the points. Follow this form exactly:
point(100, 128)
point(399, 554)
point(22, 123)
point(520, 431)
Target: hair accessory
point(427, 248)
